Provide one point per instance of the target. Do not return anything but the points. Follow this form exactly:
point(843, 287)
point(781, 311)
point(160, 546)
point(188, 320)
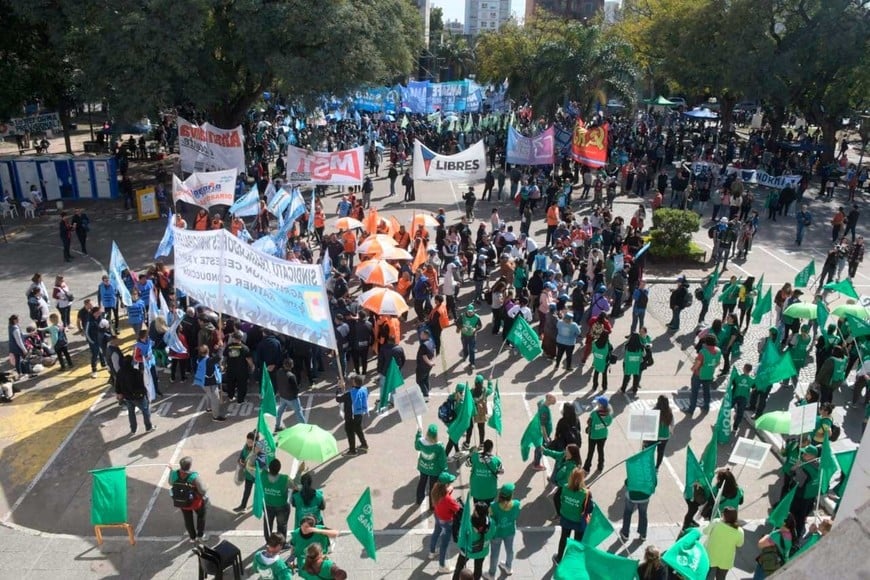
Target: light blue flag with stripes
point(246, 205)
point(311, 213)
point(168, 240)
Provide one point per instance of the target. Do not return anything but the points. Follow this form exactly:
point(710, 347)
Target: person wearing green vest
point(503, 515)
point(666, 422)
point(731, 495)
point(268, 563)
point(775, 549)
point(485, 469)
point(566, 462)
point(824, 423)
point(249, 460)
point(596, 426)
point(632, 360)
point(808, 488)
point(703, 372)
point(546, 418)
point(276, 486)
point(306, 534)
point(799, 346)
point(307, 501)
point(479, 394)
point(741, 386)
point(601, 351)
point(431, 460)
point(318, 566)
point(831, 374)
point(729, 340)
point(476, 546)
point(729, 296)
point(575, 510)
point(758, 395)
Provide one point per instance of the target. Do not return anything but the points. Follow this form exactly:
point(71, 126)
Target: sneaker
point(278, 429)
point(505, 570)
point(623, 537)
point(219, 419)
point(540, 467)
point(465, 445)
point(132, 431)
point(642, 538)
point(487, 576)
point(432, 555)
point(152, 429)
point(351, 452)
point(93, 374)
point(444, 570)
point(239, 508)
point(364, 448)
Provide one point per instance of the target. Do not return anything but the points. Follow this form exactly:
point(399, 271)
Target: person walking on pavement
point(240, 364)
point(287, 392)
point(597, 426)
point(567, 332)
point(575, 509)
point(392, 175)
point(468, 327)
point(367, 189)
point(81, 223)
point(503, 514)
point(307, 500)
point(130, 392)
point(680, 299)
point(470, 199)
point(485, 469)
point(804, 220)
point(207, 376)
point(355, 406)
point(852, 222)
point(838, 222)
point(855, 255)
point(107, 299)
point(190, 496)
point(639, 501)
point(703, 372)
point(425, 361)
point(65, 231)
point(431, 460)
point(724, 536)
point(408, 183)
point(250, 459)
point(445, 508)
point(545, 416)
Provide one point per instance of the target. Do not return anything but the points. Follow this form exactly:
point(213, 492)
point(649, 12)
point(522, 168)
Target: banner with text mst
point(231, 277)
point(468, 165)
point(323, 168)
point(206, 189)
point(209, 148)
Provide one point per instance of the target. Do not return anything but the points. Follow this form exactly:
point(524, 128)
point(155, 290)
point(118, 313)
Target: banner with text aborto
point(325, 168)
point(468, 165)
point(209, 148)
point(231, 277)
point(206, 189)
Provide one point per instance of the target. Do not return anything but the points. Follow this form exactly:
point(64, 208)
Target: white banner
point(206, 189)
point(323, 168)
point(209, 148)
point(233, 278)
point(34, 125)
point(759, 177)
point(469, 165)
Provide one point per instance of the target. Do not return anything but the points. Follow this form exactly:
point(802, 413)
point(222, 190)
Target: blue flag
point(166, 243)
point(311, 214)
point(279, 204)
point(327, 266)
point(117, 264)
point(246, 205)
point(296, 205)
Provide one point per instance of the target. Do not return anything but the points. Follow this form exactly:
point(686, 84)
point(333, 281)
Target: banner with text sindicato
point(229, 276)
point(209, 148)
point(468, 165)
point(206, 189)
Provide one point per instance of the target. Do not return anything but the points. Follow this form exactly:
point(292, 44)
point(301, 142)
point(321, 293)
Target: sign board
point(749, 452)
point(34, 125)
point(803, 418)
point(146, 204)
point(643, 424)
point(409, 401)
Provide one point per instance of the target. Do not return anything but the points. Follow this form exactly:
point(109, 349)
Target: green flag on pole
point(525, 339)
point(259, 493)
point(109, 496)
point(496, 418)
point(774, 366)
point(464, 414)
point(827, 466)
point(822, 315)
point(710, 457)
point(268, 440)
point(694, 474)
point(762, 307)
point(780, 512)
point(641, 471)
point(731, 290)
point(361, 523)
point(846, 459)
point(583, 562)
point(857, 328)
point(392, 381)
point(723, 420)
point(711, 284)
point(802, 278)
point(532, 436)
point(688, 556)
point(844, 287)
point(598, 528)
point(464, 537)
point(267, 394)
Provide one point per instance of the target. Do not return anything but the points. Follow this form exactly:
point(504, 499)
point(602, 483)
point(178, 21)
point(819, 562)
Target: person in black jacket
point(567, 429)
point(130, 392)
point(389, 351)
point(679, 300)
point(362, 336)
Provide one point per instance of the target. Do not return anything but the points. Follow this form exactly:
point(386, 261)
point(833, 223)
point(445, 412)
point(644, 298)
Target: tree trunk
point(829, 138)
point(63, 113)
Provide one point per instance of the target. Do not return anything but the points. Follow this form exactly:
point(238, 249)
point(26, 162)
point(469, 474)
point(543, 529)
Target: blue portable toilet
point(7, 176)
point(55, 173)
point(95, 177)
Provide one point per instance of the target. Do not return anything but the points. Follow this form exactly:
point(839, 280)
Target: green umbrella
point(774, 422)
point(802, 310)
point(308, 443)
point(855, 310)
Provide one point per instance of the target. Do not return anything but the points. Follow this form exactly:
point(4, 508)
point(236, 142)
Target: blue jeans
point(495, 549)
point(697, 383)
point(637, 317)
point(144, 406)
point(96, 354)
point(283, 404)
point(443, 530)
point(469, 344)
point(641, 516)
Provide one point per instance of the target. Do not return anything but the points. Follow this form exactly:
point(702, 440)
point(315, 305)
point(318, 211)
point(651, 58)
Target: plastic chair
point(8, 210)
point(29, 210)
point(213, 561)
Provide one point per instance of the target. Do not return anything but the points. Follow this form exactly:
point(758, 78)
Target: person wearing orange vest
point(552, 222)
point(348, 240)
point(200, 223)
point(403, 238)
point(319, 224)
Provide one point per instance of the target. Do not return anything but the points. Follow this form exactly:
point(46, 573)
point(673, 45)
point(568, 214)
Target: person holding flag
point(542, 425)
point(741, 385)
point(775, 549)
point(485, 469)
point(251, 458)
point(308, 533)
point(473, 539)
point(431, 460)
point(503, 515)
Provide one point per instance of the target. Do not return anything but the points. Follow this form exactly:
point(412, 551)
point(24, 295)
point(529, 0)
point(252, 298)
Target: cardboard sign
point(803, 419)
point(643, 424)
point(146, 204)
point(409, 401)
point(749, 452)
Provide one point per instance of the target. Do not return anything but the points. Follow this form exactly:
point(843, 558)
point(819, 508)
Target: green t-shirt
point(300, 544)
point(741, 386)
point(431, 459)
point(275, 491)
point(730, 293)
point(725, 502)
point(573, 504)
point(324, 574)
point(469, 324)
point(243, 457)
point(271, 568)
point(563, 468)
point(484, 477)
point(811, 487)
point(307, 509)
point(790, 455)
point(631, 362)
point(598, 425)
point(545, 416)
point(709, 363)
point(724, 335)
point(799, 350)
point(504, 521)
point(600, 355)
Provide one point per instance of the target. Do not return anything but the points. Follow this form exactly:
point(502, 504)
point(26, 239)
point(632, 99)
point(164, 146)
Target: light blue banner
point(117, 264)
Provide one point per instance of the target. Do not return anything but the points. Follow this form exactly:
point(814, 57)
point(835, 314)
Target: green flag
point(732, 290)
point(762, 307)
point(532, 436)
point(822, 315)
point(640, 471)
point(780, 512)
point(259, 494)
point(803, 277)
point(361, 523)
point(598, 528)
point(846, 459)
point(495, 419)
point(844, 287)
point(827, 466)
point(688, 556)
point(857, 328)
point(694, 474)
point(267, 394)
point(464, 414)
point(268, 440)
point(525, 339)
point(723, 420)
point(109, 496)
point(710, 457)
point(392, 381)
point(774, 366)
point(582, 562)
point(463, 538)
point(711, 284)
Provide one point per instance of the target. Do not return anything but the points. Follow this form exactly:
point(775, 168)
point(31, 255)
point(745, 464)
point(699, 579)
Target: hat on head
point(601, 401)
point(470, 308)
point(601, 289)
point(460, 388)
point(569, 315)
point(550, 286)
point(810, 450)
point(446, 477)
point(506, 490)
point(478, 379)
point(432, 431)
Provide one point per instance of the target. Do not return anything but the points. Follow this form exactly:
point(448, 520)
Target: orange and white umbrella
point(391, 253)
point(377, 272)
point(383, 301)
point(424, 219)
point(376, 245)
point(347, 223)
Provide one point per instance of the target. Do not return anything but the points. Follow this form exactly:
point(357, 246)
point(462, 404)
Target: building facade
point(572, 9)
point(486, 15)
point(424, 6)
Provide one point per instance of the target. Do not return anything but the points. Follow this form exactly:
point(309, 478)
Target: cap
point(550, 286)
point(810, 450)
point(470, 308)
point(460, 388)
point(432, 431)
point(601, 401)
point(506, 490)
point(723, 220)
point(569, 315)
point(601, 288)
point(446, 477)
point(478, 379)
point(681, 278)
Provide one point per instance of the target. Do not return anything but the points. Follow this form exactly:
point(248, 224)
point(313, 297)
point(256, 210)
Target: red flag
point(589, 144)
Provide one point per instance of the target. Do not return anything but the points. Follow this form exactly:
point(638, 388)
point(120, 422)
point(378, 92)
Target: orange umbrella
point(347, 223)
point(371, 221)
point(424, 219)
point(377, 272)
point(383, 301)
point(376, 245)
point(391, 253)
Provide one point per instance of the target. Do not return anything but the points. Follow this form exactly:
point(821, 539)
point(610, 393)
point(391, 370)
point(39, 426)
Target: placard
point(749, 452)
point(146, 204)
point(409, 401)
point(803, 418)
point(643, 424)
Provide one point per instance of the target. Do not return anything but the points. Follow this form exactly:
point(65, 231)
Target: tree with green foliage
point(672, 231)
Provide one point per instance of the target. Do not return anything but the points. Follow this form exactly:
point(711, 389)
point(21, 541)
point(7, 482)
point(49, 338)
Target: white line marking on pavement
point(456, 199)
point(172, 460)
point(51, 459)
point(673, 473)
point(777, 258)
